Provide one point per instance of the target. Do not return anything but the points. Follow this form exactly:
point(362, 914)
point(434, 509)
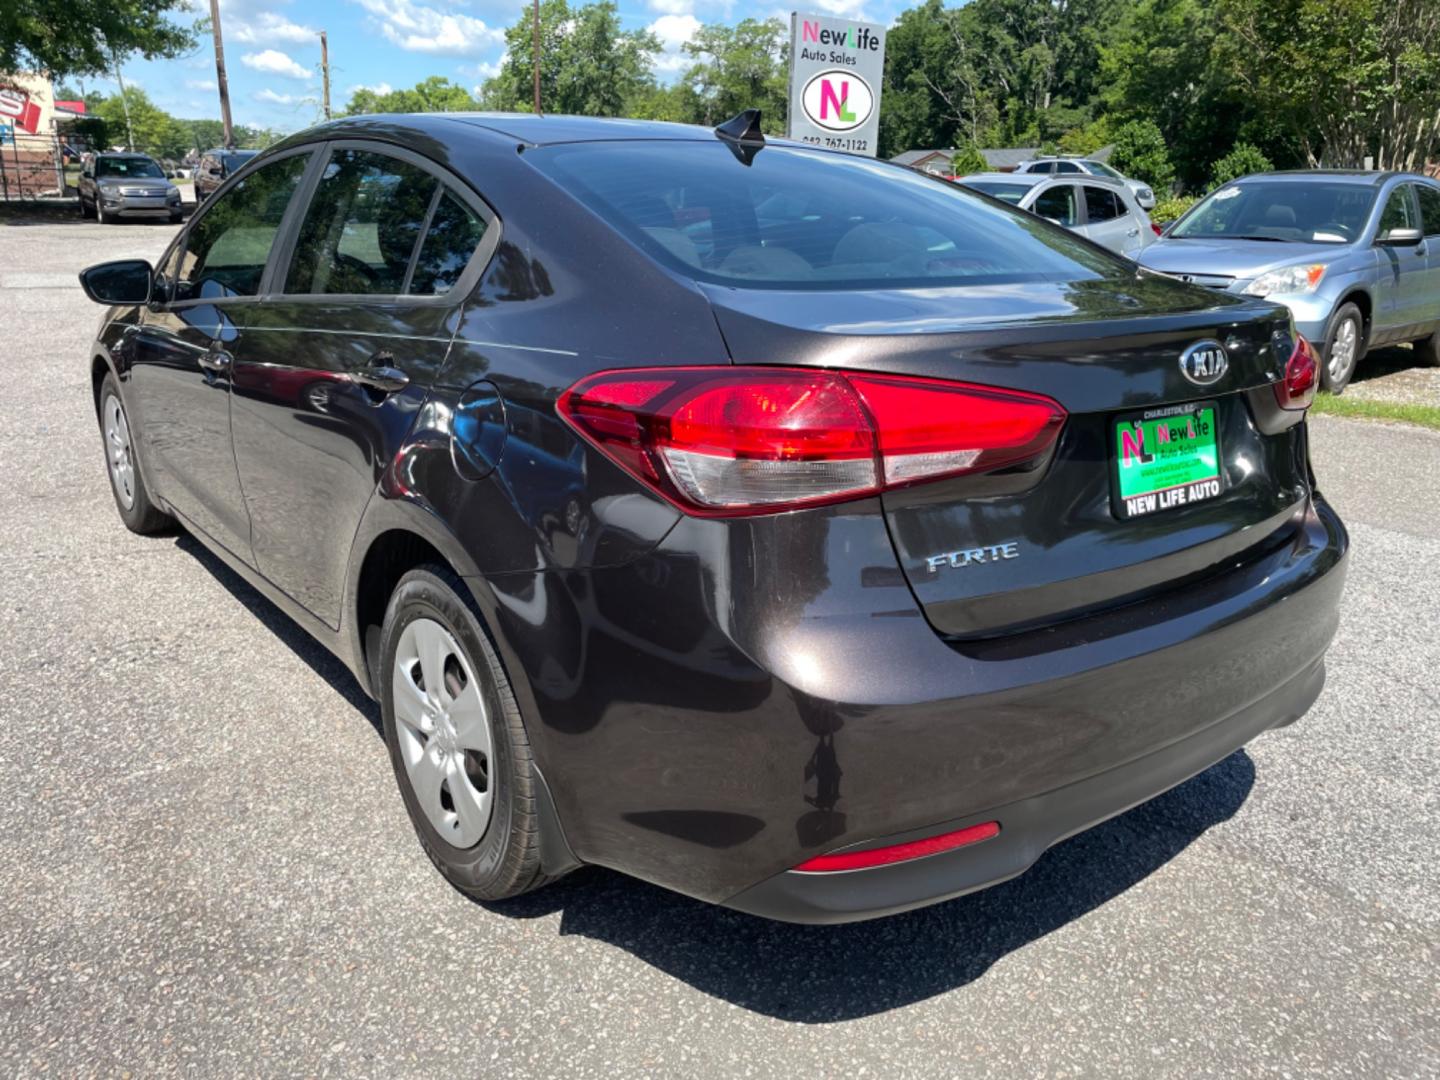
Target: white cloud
point(417, 28)
point(201, 84)
point(270, 97)
point(672, 7)
point(485, 69)
point(275, 62)
point(848, 9)
point(674, 31)
point(266, 27)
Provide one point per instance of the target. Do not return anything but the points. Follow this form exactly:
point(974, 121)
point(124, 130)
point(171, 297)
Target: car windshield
point(1314, 212)
point(1011, 193)
point(127, 167)
point(1101, 169)
point(803, 219)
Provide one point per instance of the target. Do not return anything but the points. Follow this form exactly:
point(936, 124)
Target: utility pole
point(325, 71)
point(220, 79)
point(535, 55)
point(124, 101)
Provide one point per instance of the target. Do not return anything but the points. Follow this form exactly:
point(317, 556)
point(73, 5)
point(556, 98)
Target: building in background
point(33, 136)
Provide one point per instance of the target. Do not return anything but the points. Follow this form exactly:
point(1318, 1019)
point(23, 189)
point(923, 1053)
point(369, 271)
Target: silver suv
point(1102, 209)
point(1061, 166)
point(113, 186)
point(1354, 255)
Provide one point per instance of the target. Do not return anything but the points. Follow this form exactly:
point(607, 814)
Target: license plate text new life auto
point(1166, 458)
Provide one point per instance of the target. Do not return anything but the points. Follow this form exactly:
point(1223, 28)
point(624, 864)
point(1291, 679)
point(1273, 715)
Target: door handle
point(1134, 232)
point(382, 378)
point(217, 360)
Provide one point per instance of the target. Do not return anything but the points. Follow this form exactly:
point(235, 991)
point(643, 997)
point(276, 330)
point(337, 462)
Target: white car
point(1087, 167)
point(1098, 207)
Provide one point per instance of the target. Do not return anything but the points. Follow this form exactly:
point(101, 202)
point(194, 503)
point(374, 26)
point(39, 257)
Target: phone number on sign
point(836, 142)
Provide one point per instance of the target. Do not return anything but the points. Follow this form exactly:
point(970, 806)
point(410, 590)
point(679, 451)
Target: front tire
point(104, 216)
point(457, 744)
point(1344, 348)
point(127, 483)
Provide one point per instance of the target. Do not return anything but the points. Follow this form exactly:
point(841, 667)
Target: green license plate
point(1166, 458)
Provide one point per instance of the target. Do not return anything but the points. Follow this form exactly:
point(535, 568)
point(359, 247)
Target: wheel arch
point(1361, 298)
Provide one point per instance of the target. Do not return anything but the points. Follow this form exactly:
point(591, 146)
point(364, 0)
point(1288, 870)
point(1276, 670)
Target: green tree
point(1140, 152)
point(83, 37)
point(154, 130)
point(968, 160)
point(1242, 160)
point(435, 94)
point(1349, 78)
point(589, 66)
point(739, 67)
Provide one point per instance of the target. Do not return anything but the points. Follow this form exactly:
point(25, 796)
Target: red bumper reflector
point(913, 849)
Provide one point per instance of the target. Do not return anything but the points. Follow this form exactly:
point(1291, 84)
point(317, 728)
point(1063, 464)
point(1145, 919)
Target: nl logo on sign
point(837, 100)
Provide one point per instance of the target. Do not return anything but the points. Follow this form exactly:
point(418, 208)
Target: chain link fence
point(41, 166)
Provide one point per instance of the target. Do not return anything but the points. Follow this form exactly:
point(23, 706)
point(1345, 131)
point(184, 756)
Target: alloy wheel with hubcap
point(118, 451)
point(443, 729)
point(1344, 348)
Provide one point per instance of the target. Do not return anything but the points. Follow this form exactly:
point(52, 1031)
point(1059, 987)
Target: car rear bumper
point(1027, 828)
point(757, 692)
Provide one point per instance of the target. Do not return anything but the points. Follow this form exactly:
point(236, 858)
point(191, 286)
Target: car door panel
point(1403, 270)
point(1428, 196)
point(314, 430)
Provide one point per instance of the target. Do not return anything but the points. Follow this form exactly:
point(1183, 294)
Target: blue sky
point(272, 52)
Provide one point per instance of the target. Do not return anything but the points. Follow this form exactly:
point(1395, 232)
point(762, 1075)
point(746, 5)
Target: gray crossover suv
point(1097, 207)
point(1355, 256)
point(113, 186)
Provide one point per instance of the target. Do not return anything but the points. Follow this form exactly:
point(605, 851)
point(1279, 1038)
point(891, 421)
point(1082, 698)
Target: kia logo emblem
point(1204, 363)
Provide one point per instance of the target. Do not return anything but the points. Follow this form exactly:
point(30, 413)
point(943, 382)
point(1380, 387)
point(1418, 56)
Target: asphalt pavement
point(205, 866)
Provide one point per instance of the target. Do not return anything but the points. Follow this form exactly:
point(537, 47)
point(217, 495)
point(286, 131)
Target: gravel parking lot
point(205, 867)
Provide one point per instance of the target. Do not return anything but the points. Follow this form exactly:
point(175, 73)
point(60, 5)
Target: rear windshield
point(127, 167)
point(234, 161)
point(1011, 193)
point(797, 218)
point(1309, 212)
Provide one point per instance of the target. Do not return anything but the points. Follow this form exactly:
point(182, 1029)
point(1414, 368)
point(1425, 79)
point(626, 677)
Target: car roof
point(1344, 176)
point(124, 154)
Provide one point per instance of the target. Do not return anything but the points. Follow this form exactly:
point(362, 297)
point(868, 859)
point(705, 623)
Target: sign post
point(836, 67)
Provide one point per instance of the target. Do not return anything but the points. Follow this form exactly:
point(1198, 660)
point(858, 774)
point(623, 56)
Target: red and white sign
point(16, 106)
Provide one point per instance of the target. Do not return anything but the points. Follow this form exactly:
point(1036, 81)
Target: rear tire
point(127, 482)
point(459, 749)
point(1427, 350)
point(1344, 348)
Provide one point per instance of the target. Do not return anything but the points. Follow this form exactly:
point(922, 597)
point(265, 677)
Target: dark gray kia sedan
point(784, 527)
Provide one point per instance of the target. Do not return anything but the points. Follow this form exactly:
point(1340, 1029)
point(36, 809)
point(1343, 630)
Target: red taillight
point(745, 440)
point(1159, 229)
point(1296, 390)
point(915, 849)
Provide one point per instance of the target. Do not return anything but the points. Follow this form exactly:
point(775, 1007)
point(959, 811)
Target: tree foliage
point(83, 37)
point(1140, 151)
point(968, 160)
point(435, 94)
point(1241, 161)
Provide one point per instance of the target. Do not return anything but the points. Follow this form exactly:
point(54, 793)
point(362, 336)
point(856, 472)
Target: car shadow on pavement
point(319, 658)
point(824, 974)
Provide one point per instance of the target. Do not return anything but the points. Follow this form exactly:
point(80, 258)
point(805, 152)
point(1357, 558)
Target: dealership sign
point(835, 70)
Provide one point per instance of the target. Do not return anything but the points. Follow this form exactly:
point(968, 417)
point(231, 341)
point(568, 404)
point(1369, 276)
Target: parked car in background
point(113, 186)
point(1065, 166)
point(777, 525)
point(1354, 255)
point(1097, 207)
point(217, 166)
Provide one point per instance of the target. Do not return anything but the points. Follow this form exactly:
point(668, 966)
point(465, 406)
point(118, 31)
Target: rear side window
point(362, 226)
point(1429, 208)
point(798, 218)
point(1101, 204)
point(1066, 167)
point(225, 251)
point(1058, 204)
point(454, 234)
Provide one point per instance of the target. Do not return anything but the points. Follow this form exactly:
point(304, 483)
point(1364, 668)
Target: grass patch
point(1364, 409)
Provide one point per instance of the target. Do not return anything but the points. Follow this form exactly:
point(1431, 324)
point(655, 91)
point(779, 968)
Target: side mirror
point(1400, 237)
point(125, 281)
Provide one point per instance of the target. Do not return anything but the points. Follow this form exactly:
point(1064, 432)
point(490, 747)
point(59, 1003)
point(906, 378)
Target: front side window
point(226, 249)
point(1101, 204)
point(1312, 212)
point(799, 218)
point(362, 226)
point(1058, 204)
point(1399, 212)
point(1429, 208)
